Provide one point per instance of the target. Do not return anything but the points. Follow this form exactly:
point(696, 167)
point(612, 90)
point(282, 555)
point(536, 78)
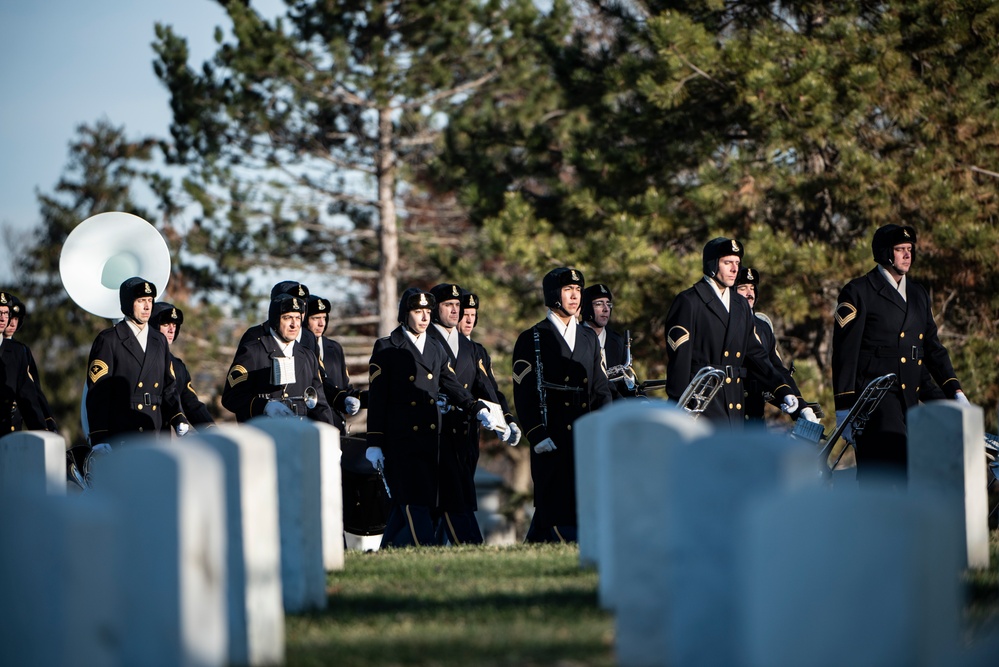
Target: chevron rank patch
point(677, 336)
point(524, 368)
point(482, 367)
point(98, 369)
point(845, 313)
point(236, 375)
point(374, 370)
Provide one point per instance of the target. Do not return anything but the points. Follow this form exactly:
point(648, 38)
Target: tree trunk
point(388, 233)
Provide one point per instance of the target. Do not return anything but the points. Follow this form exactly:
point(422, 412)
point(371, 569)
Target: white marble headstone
point(33, 460)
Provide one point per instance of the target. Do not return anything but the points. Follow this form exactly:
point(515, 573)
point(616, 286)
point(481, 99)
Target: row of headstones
point(730, 549)
point(188, 553)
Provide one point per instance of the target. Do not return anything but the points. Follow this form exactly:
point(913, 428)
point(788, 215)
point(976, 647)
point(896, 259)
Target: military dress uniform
point(248, 388)
point(459, 437)
point(336, 381)
point(196, 411)
point(756, 396)
point(405, 422)
point(878, 332)
point(128, 390)
point(582, 387)
point(701, 333)
point(21, 399)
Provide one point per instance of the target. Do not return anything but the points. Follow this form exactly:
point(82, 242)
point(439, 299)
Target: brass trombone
point(858, 416)
point(701, 390)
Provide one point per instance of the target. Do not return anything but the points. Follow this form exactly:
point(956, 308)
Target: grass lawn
point(518, 606)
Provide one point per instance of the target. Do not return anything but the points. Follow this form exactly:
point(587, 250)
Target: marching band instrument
point(701, 390)
point(623, 372)
point(858, 416)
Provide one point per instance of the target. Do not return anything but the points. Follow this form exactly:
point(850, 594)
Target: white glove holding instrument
point(847, 433)
point(514, 437)
point(375, 456)
point(961, 398)
point(809, 415)
point(485, 418)
point(182, 429)
point(544, 446)
point(352, 404)
point(790, 404)
point(277, 409)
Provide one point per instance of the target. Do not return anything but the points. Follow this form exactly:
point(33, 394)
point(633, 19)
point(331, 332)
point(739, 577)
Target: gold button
point(728, 380)
point(140, 384)
point(156, 384)
point(903, 360)
point(583, 405)
point(566, 378)
point(569, 427)
point(154, 408)
point(430, 376)
point(284, 395)
point(433, 427)
point(726, 353)
point(920, 336)
point(738, 380)
point(730, 406)
point(903, 385)
point(585, 380)
point(431, 402)
point(920, 362)
point(738, 354)
point(411, 378)
point(140, 429)
point(413, 404)
point(902, 335)
point(465, 385)
point(139, 406)
point(738, 406)
point(566, 404)
point(416, 428)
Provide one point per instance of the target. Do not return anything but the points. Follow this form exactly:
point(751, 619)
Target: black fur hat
point(291, 288)
point(445, 292)
point(413, 299)
point(317, 305)
point(165, 313)
point(715, 250)
point(281, 304)
point(886, 238)
point(591, 293)
point(555, 280)
point(132, 289)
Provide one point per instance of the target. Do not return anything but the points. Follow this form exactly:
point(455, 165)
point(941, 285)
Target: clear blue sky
point(68, 62)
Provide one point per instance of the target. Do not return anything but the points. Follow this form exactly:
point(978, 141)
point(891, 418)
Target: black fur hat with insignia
point(469, 301)
point(555, 280)
point(290, 287)
point(317, 305)
point(413, 299)
point(886, 238)
point(445, 292)
point(132, 289)
point(715, 250)
point(165, 313)
point(281, 304)
point(18, 310)
point(592, 293)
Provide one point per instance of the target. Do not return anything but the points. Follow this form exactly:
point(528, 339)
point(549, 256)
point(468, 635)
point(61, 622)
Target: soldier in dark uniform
point(167, 318)
point(343, 398)
point(271, 375)
point(257, 331)
point(746, 284)
point(558, 376)
point(459, 431)
point(884, 325)
point(408, 371)
point(131, 387)
point(20, 395)
point(18, 315)
point(598, 302)
point(709, 325)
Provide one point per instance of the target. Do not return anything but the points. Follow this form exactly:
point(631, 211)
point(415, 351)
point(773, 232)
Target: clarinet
point(542, 396)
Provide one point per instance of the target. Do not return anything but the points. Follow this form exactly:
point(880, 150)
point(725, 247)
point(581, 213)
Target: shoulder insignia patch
point(98, 369)
point(525, 368)
point(236, 375)
point(677, 336)
point(374, 370)
point(482, 367)
point(845, 313)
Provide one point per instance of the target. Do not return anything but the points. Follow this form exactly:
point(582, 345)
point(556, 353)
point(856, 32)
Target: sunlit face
point(142, 309)
point(902, 257)
point(418, 320)
point(571, 297)
point(11, 327)
point(728, 270)
point(169, 330)
point(317, 323)
point(601, 312)
point(4, 316)
point(449, 311)
point(289, 325)
point(748, 291)
point(467, 322)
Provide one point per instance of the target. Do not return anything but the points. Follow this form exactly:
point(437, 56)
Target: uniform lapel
point(886, 291)
point(711, 300)
point(130, 342)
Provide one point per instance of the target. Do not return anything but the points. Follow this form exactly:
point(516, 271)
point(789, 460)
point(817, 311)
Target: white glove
point(277, 409)
point(545, 445)
point(352, 404)
point(375, 456)
point(790, 404)
point(809, 415)
point(514, 436)
point(961, 398)
point(847, 433)
point(629, 380)
point(182, 429)
point(485, 418)
point(102, 448)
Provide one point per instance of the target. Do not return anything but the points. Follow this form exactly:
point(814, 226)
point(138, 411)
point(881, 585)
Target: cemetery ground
point(527, 605)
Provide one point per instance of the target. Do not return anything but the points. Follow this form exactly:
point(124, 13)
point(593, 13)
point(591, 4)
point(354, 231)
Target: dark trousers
point(882, 452)
point(458, 528)
point(409, 526)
